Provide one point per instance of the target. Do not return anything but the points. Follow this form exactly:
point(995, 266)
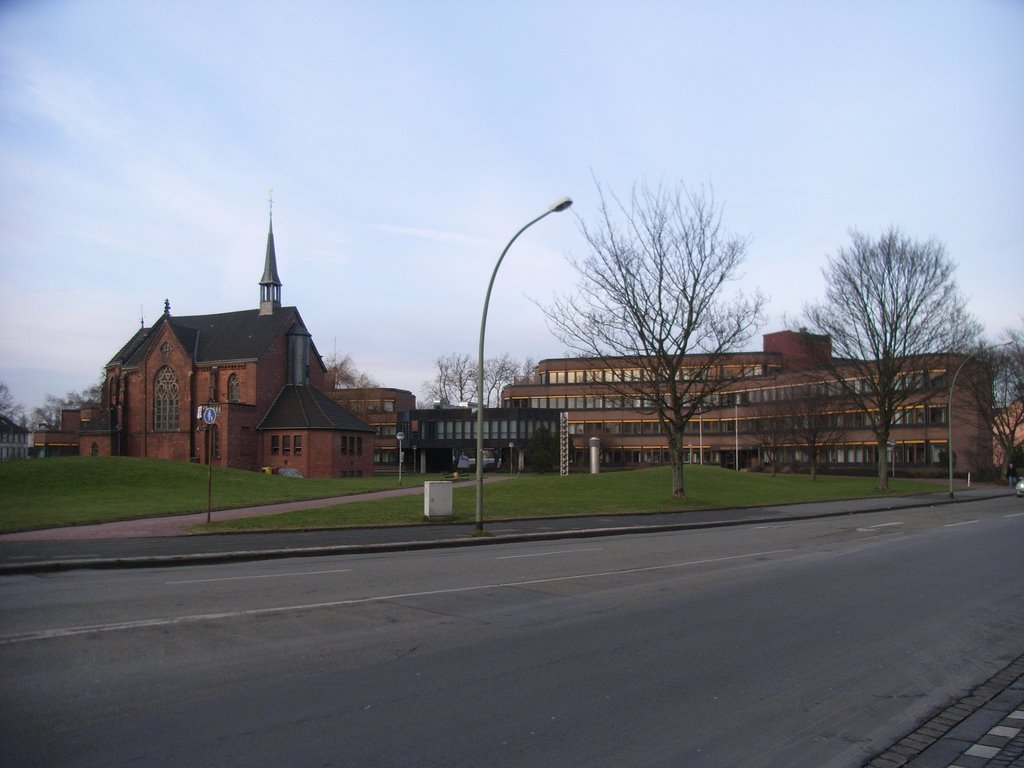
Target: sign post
point(401, 437)
point(209, 418)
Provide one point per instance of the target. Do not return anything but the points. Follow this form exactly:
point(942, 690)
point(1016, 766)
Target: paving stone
point(980, 750)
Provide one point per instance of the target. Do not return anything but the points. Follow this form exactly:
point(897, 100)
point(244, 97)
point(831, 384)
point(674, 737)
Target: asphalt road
point(812, 642)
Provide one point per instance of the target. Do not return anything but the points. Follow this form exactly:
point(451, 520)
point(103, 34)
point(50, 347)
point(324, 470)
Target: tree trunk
point(675, 454)
point(883, 464)
point(677, 480)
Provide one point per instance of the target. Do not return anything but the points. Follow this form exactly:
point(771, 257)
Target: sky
point(406, 142)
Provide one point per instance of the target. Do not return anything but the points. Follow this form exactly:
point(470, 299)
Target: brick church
point(255, 374)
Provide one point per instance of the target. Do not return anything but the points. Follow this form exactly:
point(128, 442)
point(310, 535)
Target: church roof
point(216, 338)
point(7, 426)
point(299, 407)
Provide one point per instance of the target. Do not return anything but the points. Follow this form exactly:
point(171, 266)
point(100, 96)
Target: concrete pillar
point(595, 455)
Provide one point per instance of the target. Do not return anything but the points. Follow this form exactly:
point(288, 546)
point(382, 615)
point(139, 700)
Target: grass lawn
point(638, 491)
point(81, 490)
point(43, 493)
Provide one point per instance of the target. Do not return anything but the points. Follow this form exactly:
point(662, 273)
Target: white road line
point(546, 554)
point(260, 576)
point(965, 522)
point(46, 634)
point(879, 525)
point(1014, 514)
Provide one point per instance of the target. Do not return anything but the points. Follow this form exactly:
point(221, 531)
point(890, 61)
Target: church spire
point(270, 285)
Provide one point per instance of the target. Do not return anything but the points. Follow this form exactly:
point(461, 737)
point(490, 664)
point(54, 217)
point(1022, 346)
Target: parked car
point(489, 461)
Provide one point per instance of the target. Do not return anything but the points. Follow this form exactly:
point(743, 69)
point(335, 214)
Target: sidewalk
point(984, 729)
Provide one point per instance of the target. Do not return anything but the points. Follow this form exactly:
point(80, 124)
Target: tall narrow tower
point(270, 285)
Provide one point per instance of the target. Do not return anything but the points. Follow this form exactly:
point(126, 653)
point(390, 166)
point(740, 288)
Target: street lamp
point(511, 447)
point(401, 437)
point(555, 207)
point(949, 408)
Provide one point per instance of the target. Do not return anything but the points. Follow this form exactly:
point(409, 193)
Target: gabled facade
point(258, 371)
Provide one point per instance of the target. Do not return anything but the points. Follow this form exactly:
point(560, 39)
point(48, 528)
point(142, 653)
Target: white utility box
point(437, 500)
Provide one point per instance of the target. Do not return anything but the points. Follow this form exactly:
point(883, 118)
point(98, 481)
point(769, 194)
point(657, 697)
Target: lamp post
point(555, 207)
point(736, 430)
point(511, 446)
point(401, 437)
point(949, 408)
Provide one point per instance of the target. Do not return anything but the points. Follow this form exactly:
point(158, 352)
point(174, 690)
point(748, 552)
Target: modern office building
point(379, 407)
point(764, 388)
point(439, 437)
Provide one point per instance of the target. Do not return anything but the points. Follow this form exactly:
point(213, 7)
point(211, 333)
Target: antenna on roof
point(142, 318)
point(270, 200)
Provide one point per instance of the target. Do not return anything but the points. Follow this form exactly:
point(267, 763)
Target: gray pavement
point(983, 729)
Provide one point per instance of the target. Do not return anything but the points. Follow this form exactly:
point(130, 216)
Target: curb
point(937, 727)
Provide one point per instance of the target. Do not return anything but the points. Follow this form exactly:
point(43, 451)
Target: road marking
point(556, 552)
point(1014, 514)
point(879, 525)
point(260, 576)
point(965, 522)
point(47, 634)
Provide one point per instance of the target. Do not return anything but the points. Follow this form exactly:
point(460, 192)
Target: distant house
point(61, 439)
point(13, 440)
point(237, 389)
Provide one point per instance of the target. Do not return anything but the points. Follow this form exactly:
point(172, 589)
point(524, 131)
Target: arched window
point(165, 401)
point(94, 450)
point(233, 388)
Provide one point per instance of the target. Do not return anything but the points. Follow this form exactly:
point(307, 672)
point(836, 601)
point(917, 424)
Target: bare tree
point(891, 304)
point(342, 374)
point(815, 422)
point(499, 372)
point(455, 380)
point(651, 297)
point(49, 413)
point(998, 394)
point(768, 424)
point(9, 408)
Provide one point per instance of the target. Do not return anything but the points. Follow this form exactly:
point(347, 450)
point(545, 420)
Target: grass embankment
point(80, 490)
point(76, 491)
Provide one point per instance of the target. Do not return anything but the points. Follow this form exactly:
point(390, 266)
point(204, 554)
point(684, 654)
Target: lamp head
point(560, 205)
